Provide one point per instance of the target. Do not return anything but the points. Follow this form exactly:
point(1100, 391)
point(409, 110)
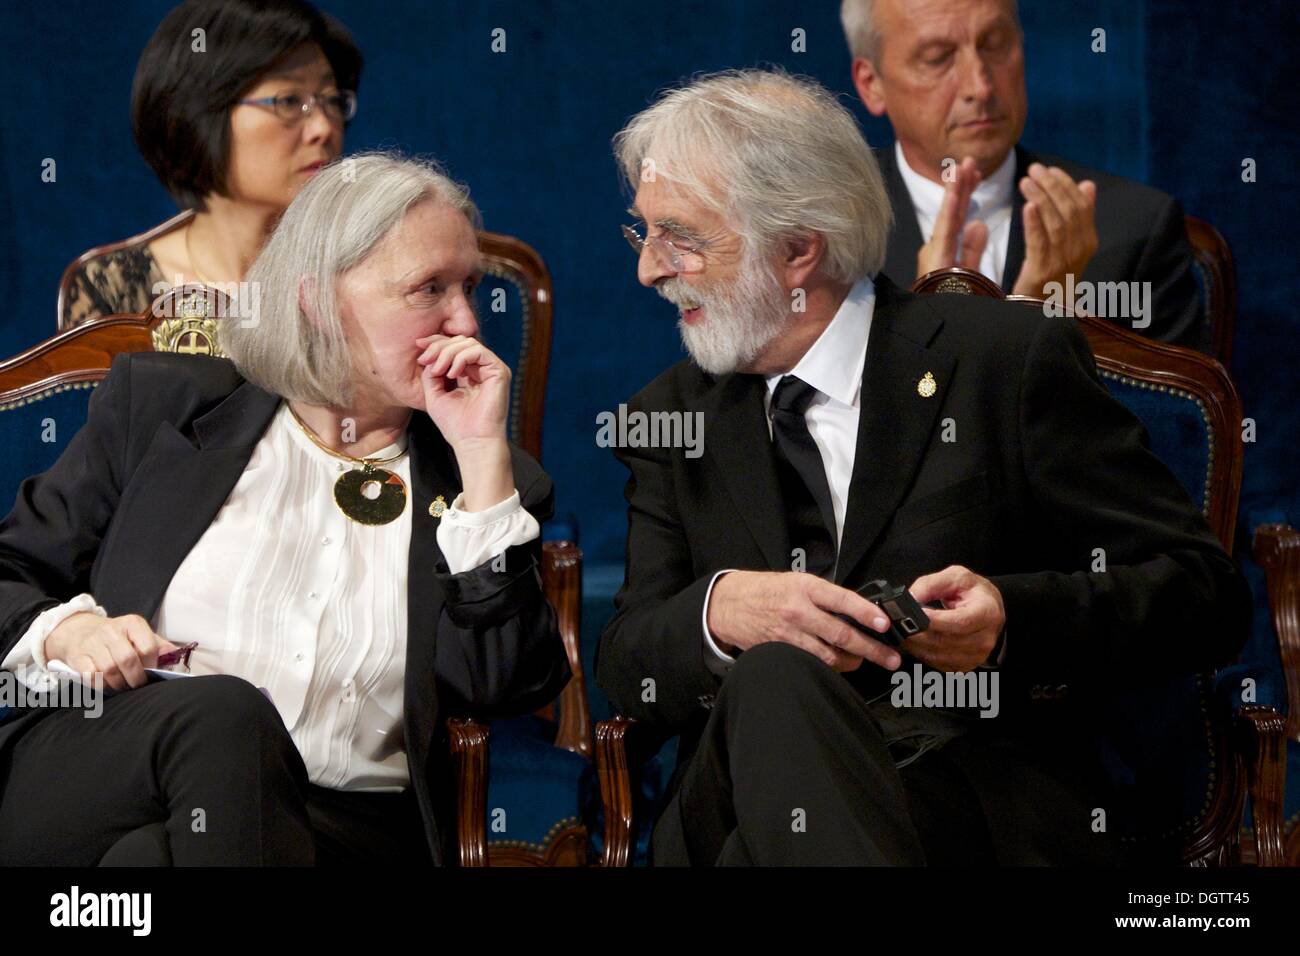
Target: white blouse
point(286, 592)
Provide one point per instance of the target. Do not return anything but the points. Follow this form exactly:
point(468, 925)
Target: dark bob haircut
point(181, 98)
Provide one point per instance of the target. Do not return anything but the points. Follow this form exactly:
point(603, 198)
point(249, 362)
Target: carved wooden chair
point(1217, 274)
point(1277, 550)
point(1192, 413)
point(45, 395)
point(44, 400)
point(531, 798)
point(50, 385)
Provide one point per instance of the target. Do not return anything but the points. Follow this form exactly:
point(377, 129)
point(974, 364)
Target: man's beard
point(738, 319)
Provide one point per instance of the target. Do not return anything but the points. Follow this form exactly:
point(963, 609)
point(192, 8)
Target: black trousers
point(796, 767)
point(204, 762)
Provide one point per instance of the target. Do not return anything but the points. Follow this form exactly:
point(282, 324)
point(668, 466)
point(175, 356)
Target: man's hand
point(962, 635)
point(1060, 228)
point(955, 241)
point(754, 607)
point(120, 648)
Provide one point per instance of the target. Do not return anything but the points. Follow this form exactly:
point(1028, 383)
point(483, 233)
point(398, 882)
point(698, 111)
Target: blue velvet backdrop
point(1179, 98)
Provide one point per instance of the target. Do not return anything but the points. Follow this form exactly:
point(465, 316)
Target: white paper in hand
point(57, 666)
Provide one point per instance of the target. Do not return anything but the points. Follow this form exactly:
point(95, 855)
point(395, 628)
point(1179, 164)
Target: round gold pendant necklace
point(367, 494)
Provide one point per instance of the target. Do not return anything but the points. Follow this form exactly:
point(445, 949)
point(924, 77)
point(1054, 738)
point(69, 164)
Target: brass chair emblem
point(191, 331)
point(954, 284)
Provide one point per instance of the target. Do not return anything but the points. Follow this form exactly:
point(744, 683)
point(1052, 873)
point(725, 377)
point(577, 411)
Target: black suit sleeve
point(499, 650)
point(1177, 314)
point(1170, 600)
point(49, 541)
point(651, 657)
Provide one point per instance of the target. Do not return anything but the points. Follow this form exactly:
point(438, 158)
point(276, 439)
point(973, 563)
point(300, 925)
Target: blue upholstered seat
point(543, 788)
point(536, 790)
point(1165, 775)
point(506, 326)
point(1178, 426)
point(34, 431)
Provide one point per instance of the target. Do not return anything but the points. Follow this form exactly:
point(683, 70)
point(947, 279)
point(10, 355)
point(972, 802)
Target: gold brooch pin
point(438, 506)
point(927, 386)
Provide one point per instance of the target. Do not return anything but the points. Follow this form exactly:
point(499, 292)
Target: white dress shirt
point(833, 365)
point(991, 203)
point(285, 591)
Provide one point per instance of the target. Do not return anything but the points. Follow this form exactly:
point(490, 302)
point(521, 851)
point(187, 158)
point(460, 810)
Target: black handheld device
point(906, 616)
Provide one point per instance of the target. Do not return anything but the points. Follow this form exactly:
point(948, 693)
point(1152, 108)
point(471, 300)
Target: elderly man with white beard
point(963, 448)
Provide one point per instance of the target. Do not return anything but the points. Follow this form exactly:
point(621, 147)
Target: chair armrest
point(469, 748)
point(562, 581)
point(1277, 551)
point(1253, 698)
point(1261, 734)
point(615, 789)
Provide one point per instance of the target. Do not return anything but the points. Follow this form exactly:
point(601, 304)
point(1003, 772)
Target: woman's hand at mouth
point(467, 394)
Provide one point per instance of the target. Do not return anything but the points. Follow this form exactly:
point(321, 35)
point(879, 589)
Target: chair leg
point(615, 790)
point(1263, 734)
point(469, 747)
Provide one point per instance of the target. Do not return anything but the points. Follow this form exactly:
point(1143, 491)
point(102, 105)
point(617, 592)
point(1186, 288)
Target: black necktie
point(809, 514)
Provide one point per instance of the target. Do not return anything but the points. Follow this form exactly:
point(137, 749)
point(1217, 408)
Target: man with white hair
point(950, 75)
point(962, 447)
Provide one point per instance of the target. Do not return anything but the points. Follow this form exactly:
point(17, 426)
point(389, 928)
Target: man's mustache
point(678, 296)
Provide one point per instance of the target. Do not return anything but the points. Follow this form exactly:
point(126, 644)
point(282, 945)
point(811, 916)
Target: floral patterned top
point(124, 281)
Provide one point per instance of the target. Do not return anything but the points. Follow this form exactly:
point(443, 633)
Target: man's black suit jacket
point(167, 438)
point(1141, 237)
point(1043, 468)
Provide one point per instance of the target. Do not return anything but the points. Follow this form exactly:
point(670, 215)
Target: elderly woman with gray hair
point(334, 519)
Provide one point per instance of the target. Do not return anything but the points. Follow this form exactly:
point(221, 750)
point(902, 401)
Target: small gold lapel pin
point(438, 506)
point(927, 386)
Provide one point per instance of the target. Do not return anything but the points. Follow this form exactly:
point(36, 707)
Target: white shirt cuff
point(470, 538)
point(29, 652)
point(719, 656)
